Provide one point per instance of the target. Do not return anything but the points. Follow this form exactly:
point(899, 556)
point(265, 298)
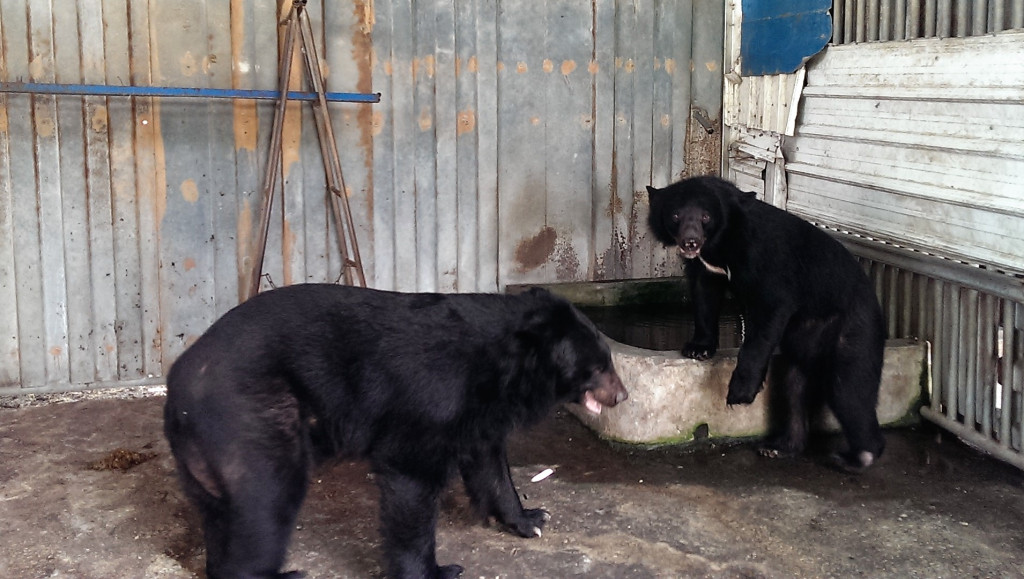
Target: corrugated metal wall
point(917, 143)
point(518, 137)
point(512, 143)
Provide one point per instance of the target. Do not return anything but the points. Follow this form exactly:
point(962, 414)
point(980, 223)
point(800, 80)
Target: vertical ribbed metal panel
point(884, 20)
point(516, 139)
point(513, 143)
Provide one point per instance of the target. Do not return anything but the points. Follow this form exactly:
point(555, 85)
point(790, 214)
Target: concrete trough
point(676, 399)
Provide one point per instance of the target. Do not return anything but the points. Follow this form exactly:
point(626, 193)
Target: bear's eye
point(705, 218)
point(675, 218)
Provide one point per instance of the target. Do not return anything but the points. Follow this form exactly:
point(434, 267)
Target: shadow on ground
point(87, 490)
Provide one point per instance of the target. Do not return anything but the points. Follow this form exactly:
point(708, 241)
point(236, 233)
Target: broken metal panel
point(917, 143)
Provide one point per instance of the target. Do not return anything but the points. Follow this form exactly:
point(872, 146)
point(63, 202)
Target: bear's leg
point(706, 291)
point(247, 532)
point(408, 510)
point(853, 398)
point(788, 409)
point(489, 484)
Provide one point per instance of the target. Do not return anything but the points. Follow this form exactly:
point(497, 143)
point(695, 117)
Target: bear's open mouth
point(591, 403)
point(689, 252)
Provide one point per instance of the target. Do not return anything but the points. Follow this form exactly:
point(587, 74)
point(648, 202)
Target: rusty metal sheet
point(512, 144)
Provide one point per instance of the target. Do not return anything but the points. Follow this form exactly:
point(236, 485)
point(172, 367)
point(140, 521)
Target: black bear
point(420, 385)
point(803, 294)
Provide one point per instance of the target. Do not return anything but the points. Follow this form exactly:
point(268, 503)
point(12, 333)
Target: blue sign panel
point(779, 35)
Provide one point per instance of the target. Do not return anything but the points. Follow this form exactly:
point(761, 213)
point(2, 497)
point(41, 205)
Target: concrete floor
point(931, 508)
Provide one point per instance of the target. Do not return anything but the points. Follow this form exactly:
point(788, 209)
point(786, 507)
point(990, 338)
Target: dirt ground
point(87, 490)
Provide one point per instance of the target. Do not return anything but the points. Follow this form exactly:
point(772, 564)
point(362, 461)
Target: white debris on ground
point(123, 393)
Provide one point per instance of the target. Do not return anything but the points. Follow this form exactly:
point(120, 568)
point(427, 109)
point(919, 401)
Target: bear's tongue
point(591, 403)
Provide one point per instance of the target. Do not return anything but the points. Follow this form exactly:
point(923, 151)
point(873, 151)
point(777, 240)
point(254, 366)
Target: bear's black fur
point(420, 385)
point(802, 293)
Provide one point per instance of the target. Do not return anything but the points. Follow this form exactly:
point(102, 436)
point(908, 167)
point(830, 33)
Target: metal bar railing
point(973, 321)
point(171, 91)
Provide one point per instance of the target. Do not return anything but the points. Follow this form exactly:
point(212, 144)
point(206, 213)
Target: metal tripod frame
point(352, 265)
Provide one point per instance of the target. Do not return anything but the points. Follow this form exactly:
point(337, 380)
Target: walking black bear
point(421, 385)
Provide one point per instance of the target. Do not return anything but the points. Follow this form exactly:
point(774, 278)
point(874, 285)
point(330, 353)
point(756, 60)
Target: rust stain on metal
point(521, 67)
point(567, 262)
point(4, 121)
point(630, 65)
point(472, 65)
point(500, 66)
point(467, 122)
point(593, 67)
point(98, 120)
point(614, 205)
point(368, 120)
point(547, 65)
point(208, 61)
point(534, 252)
point(189, 191)
point(246, 125)
point(39, 66)
point(365, 15)
point(426, 120)
point(378, 125)
point(187, 64)
point(428, 65)
point(568, 66)
point(45, 126)
point(189, 264)
point(291, 136)
point(245, 121)
point(670, 65)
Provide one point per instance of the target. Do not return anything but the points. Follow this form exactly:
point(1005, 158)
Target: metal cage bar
point(889, 20)
point(973, 320)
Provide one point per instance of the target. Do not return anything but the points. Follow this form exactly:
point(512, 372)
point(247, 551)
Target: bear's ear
point(652, 192)
point(547, 319)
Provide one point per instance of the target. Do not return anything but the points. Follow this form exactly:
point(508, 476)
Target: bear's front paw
point(449, 571)
point(699, 351)
point(530, 523)
point(742, 391)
